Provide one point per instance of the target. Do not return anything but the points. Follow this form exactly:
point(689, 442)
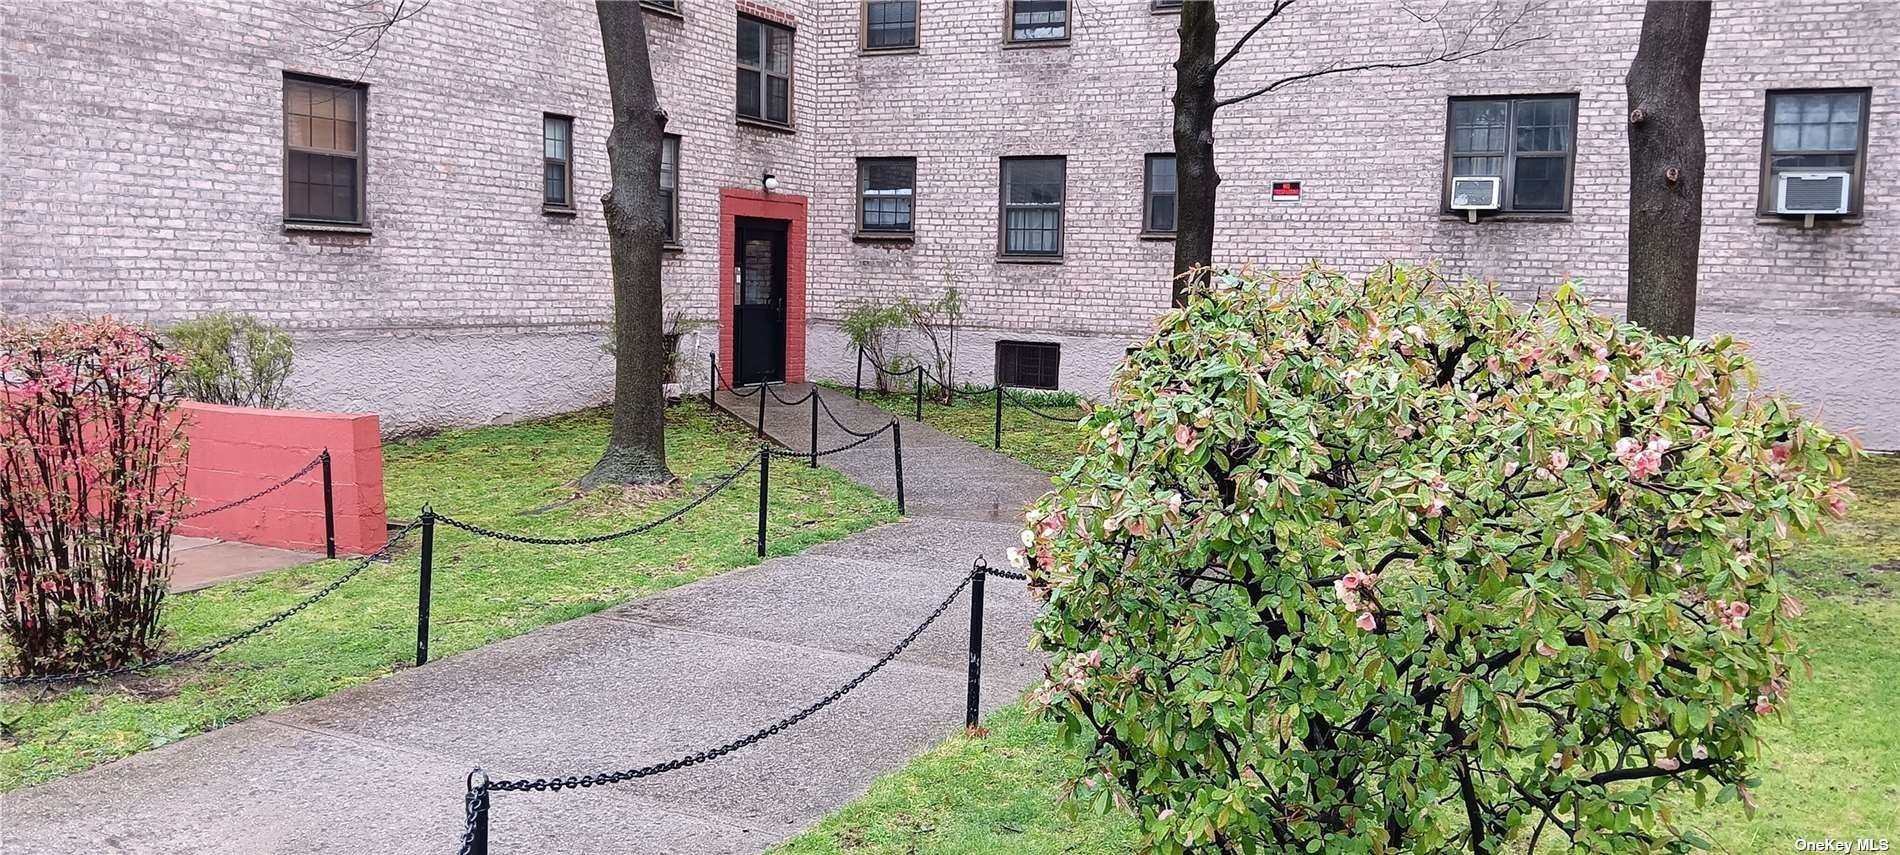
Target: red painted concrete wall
point(236, 451)
point(733, 204)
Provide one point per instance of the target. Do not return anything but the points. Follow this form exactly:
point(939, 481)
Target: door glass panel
point(755, 273)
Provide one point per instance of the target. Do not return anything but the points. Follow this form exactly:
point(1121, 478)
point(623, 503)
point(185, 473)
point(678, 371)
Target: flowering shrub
point(1400, 566)
point(90, 483)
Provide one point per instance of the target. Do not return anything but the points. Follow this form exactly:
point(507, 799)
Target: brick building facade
point(145, 174)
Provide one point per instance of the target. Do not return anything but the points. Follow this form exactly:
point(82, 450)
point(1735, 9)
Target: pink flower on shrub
point(1053, 524)
point(1731, 613)
point(1653, 380)
point(1346, 594)
point(1668, 764)
point(1544, 649)
point(1559, 461)
point(1836, 498)
point(1600, 373)
point(1642, 460)
point(1367, 622)
point(1763, 705)
point(1780, 452)
point(1186, 437)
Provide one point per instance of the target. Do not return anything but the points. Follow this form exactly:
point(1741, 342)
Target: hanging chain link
point(600, 779)
point(781, 399)
point(208, 648)
point(314, 463)
point(483, 531)
point(984, 567)
point(806, 455)
point(847, 428)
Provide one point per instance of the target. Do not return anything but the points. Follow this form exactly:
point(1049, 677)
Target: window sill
point(671, 246)
point(764, 125)
point(1164, 10)
point(1037, 43)
point(1156, 236)
point(1029, 259)
point(327, 228)
point(884, 237)
point(559, 211)
point(1821, 221)
point(1507, 217)
point(890, 51)
point(664, 12)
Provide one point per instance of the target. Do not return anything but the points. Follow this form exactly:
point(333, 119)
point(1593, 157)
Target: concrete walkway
point(200, 562)
point(380, 768)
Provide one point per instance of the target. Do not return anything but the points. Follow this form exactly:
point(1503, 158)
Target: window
point(1028, 364)
point(1157, 194)
point(765, 72)
point(890, 24)
point(1527, 142)
point(886, 188)
point(670, 185)
point(324, 145)
point(1038, 20)
point(1166, 5)
point(671, 7)
point(557, 162)
point(1032, 205)
point(1815, 130)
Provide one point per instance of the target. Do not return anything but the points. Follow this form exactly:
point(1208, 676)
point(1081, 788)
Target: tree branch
point(1278, 7)
point(1456, 56)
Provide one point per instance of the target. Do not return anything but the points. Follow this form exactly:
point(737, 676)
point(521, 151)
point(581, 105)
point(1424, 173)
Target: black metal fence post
point(422, 586)
point(765, 487)
point(814, 427)
point(712, 379)
point(920, 393)
point(974, 697)
point(897, 452)
point(857, 386)
point(329, 508)
point(475, 830)
point(998, 443)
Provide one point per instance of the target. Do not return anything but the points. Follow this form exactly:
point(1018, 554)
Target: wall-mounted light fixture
point(770, 182)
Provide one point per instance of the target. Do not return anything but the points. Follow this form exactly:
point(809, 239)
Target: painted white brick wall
point(142, 170)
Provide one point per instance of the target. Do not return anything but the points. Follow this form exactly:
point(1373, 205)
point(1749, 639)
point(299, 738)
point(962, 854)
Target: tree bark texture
point(1197, 181)
point(1666, 162)
point(636, 445)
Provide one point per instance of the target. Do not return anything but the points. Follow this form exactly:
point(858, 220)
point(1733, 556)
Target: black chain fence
point(999, 393)
point(205, 650)
point(719, 485)
point(475, 829)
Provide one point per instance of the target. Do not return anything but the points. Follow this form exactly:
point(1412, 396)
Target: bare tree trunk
point(1666, 160)
point(1194, 106)
point(636, 445)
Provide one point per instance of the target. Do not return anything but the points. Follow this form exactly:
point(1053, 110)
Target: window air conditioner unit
point(1812, 193)
point(1476, 193)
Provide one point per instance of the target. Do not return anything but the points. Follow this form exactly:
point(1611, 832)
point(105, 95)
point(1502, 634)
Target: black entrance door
point(759, 316)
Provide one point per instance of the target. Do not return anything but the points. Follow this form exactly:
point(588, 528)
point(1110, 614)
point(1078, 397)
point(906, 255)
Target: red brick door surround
point(735, 203)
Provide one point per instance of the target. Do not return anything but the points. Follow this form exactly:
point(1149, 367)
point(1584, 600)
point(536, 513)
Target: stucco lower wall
point(1842, 367)
point(425, 380)
point(1087, 361)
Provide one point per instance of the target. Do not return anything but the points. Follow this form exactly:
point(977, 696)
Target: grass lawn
point(1038, 441)
point(1831, 769)
point(513, 478)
